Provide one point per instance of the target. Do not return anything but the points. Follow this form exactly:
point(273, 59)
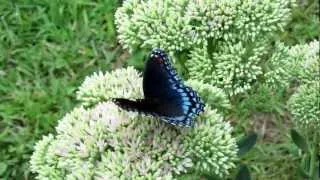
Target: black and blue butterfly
point(165, 95)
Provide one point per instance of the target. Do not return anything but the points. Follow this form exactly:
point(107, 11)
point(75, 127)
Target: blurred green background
point(48, 47)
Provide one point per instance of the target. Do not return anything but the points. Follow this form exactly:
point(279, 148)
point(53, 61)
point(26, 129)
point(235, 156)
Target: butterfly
point(165, 95)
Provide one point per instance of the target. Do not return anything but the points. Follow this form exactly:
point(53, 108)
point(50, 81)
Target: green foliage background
point(47, 48)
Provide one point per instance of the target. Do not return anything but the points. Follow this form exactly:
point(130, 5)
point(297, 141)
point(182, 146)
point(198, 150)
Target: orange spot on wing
point(159, 60)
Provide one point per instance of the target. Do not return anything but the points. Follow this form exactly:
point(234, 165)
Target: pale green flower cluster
point(153, 23)
point(305, 64)
point(236, 67)
point(226, 42)
point(244, 20)
point(105, 142)
point(213, 96)
point(299, 63)
point(304, 104)
point(103, 86)
point(277, 73)
point(233, 67)
point(43, 162)
point(177, 25)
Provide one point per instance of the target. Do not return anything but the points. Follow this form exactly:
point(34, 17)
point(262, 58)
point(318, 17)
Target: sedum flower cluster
point(213, 96)
point(231, 67)
point(305, 63)
point(103, 86)
point(97, 140)
point(277, 73)
point(304, 104)
point(179, 25)
point(226, 42)
point(153, 23)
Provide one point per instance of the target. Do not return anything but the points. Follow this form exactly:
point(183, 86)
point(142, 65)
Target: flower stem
point(313, 161)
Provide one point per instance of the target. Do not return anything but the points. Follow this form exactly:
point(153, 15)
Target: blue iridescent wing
point(179, 104)
point(165, 95)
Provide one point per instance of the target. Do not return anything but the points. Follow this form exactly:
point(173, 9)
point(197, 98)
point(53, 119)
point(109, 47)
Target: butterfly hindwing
point(165, 95)
point(190, 106)
point(139, 105)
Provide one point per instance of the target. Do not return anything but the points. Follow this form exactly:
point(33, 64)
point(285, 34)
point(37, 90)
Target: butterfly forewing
point(156, 79)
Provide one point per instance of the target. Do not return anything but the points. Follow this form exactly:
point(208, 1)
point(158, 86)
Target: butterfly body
point(165, 95)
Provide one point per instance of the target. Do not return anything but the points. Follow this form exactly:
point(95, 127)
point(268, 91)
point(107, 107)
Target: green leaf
point(3, 168)
point(299, 140)
point(303, 172)
point(243, 173)
point(138, 60)
point(247, 143)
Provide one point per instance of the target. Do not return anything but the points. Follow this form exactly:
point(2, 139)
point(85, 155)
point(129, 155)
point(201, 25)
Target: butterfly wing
point(146, 106)
point(170, 112)
point(165, 95)
point(159, 76)
point(139, 105)
point(178, 104)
